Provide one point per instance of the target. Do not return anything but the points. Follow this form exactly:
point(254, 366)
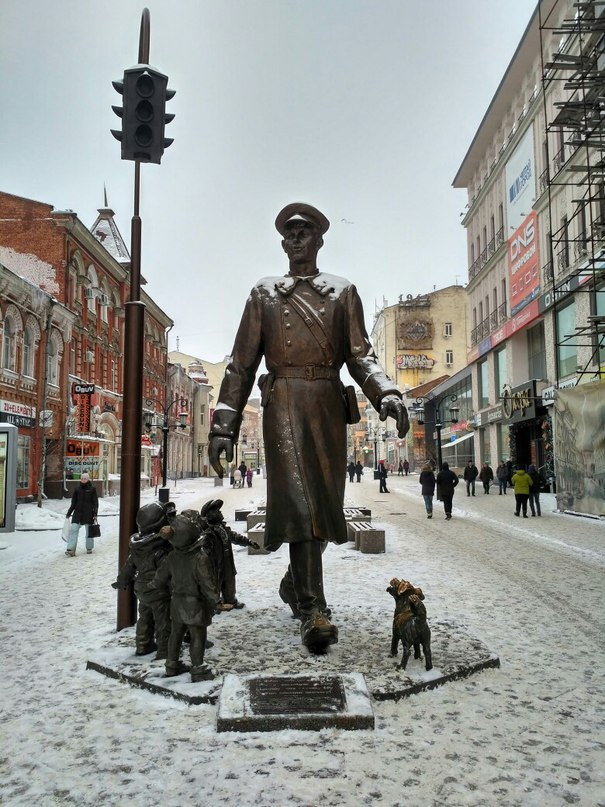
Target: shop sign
point(548, 393)
point(82, 456)
point(518, 403)
point(18, 414)
point(82, 389)
point(494, 414)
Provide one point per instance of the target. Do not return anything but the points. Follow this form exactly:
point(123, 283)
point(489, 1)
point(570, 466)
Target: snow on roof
point(105, 230)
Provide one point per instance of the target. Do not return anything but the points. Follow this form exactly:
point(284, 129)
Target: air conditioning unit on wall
point(449, 364)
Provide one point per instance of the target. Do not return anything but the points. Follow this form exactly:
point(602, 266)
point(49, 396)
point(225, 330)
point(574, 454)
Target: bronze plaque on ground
point(297, 695)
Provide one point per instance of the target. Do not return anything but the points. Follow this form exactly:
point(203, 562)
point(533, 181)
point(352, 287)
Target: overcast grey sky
point(363, 108)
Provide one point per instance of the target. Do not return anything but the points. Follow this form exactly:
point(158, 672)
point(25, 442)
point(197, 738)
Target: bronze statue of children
point(217, 540)
point(148, 549)
point(188, 576)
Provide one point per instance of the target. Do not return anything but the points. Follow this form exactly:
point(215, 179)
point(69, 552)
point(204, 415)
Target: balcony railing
point(489, 324)
point(486, 254)
point(543, 180)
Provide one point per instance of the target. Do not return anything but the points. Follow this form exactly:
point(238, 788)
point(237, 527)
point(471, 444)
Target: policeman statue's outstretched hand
point(393, 406)
point(216, 445)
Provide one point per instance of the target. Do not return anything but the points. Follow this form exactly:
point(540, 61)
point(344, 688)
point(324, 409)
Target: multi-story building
point(420, 341)
point(534, 217)
point(84, 273)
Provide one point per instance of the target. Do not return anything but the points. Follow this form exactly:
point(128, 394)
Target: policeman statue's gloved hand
point(392, 406)
point(216, 445)
point(114, 585)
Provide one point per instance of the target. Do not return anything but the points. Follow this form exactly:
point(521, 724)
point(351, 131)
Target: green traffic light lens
point(143, 136)
point(144, 111)
point(145, 86)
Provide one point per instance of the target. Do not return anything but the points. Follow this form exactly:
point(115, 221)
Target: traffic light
point(145, 92)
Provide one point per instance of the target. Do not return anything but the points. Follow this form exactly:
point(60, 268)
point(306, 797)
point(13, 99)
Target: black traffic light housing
point(145, 92)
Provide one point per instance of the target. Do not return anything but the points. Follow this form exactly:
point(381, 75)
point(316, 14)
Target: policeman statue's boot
point(316, 630)
point(288, 594)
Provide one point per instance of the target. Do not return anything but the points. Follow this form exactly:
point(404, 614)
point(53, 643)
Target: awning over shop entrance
point(458, 440)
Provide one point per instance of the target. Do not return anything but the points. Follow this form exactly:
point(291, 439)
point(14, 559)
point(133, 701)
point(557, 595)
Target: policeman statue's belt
point(310, 372)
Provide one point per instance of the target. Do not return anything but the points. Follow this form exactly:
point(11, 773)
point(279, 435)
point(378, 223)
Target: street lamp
point(372, 435)
point(150, 421)
point(436, 402)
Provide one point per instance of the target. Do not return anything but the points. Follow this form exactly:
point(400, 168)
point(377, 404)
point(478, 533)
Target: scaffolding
point(573, 83)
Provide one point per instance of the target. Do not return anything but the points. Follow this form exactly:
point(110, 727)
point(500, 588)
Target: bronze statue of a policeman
point(306, 325)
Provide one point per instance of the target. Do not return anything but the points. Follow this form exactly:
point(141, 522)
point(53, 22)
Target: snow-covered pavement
point(529, 733)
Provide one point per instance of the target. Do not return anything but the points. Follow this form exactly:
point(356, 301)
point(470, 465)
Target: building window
point(448, 329)
point(23, 442)
point(449, 357)
point(27, 359)
point(52, 362)
point(483, 385)
point(536, 351)
point(202, 415)
point(8, 345)
point(567, 353)
point(503, 293)
point(501, 376)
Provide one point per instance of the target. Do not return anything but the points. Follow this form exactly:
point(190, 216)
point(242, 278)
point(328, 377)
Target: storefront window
point(23, 443)
point(567, 353)
point(600, 311)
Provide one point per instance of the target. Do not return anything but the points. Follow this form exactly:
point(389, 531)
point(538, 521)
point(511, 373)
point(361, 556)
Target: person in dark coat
point(306, 325)
point(83, 511)
point(148, 549)
point(502, 476)
point(406, 466)
point(486, 476)
point(470, 474)
point(358, 471)
point(187, 576)
point(382, 477)
point(351, 471)
point(217, 540)
point(446, 482)
point(400, 468)
point(427, 480)
point(534, 491)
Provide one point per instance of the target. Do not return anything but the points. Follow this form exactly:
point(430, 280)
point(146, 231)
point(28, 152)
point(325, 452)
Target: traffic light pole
point(132, 412)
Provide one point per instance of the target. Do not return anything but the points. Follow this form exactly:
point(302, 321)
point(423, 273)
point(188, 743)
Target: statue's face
point(301, 242)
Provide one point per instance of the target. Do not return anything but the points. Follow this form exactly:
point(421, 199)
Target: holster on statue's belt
point(309, 372)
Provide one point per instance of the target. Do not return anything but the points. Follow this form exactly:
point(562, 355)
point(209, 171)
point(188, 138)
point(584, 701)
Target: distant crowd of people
point(526, 484)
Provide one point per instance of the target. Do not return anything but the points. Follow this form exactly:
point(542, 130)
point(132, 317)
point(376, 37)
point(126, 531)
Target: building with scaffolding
point(535, 222)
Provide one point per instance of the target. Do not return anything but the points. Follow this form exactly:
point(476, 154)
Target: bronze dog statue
point(409, 622)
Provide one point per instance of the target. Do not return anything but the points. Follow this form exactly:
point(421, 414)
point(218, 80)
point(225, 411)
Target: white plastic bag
point(66, 529)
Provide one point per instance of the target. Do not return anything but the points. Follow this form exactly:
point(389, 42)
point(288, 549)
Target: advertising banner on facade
point(579, 414)
point(524, 263)
point(520, 176)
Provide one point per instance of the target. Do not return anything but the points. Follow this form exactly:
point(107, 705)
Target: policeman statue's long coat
point(304, 417)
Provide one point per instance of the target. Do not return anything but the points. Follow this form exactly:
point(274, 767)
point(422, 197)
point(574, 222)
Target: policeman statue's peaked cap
point(299, 211)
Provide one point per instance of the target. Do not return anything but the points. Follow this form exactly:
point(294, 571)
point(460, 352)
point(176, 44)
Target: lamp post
point(150, 420)
point(436, 402)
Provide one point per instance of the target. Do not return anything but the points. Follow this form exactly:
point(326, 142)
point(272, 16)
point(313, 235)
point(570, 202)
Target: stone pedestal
point(306, 702)
point(257, 533)
point(368, 539)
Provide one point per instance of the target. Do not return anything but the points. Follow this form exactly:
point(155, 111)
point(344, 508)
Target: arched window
point(8, 344)
point(27, 359)
point(53, 358)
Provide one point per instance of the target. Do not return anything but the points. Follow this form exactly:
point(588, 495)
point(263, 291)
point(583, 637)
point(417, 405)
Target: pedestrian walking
point(83, 511)
point(400, 468)
point(382, 476)
point(427, 480)
point(522, 483)
point(534, 492)
point(406, 467)
point(446, 482)
point(358, 471)
point(486, 476)
point(502, 476)
point(351, 471)
point(470, 474)
point(249, 476)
